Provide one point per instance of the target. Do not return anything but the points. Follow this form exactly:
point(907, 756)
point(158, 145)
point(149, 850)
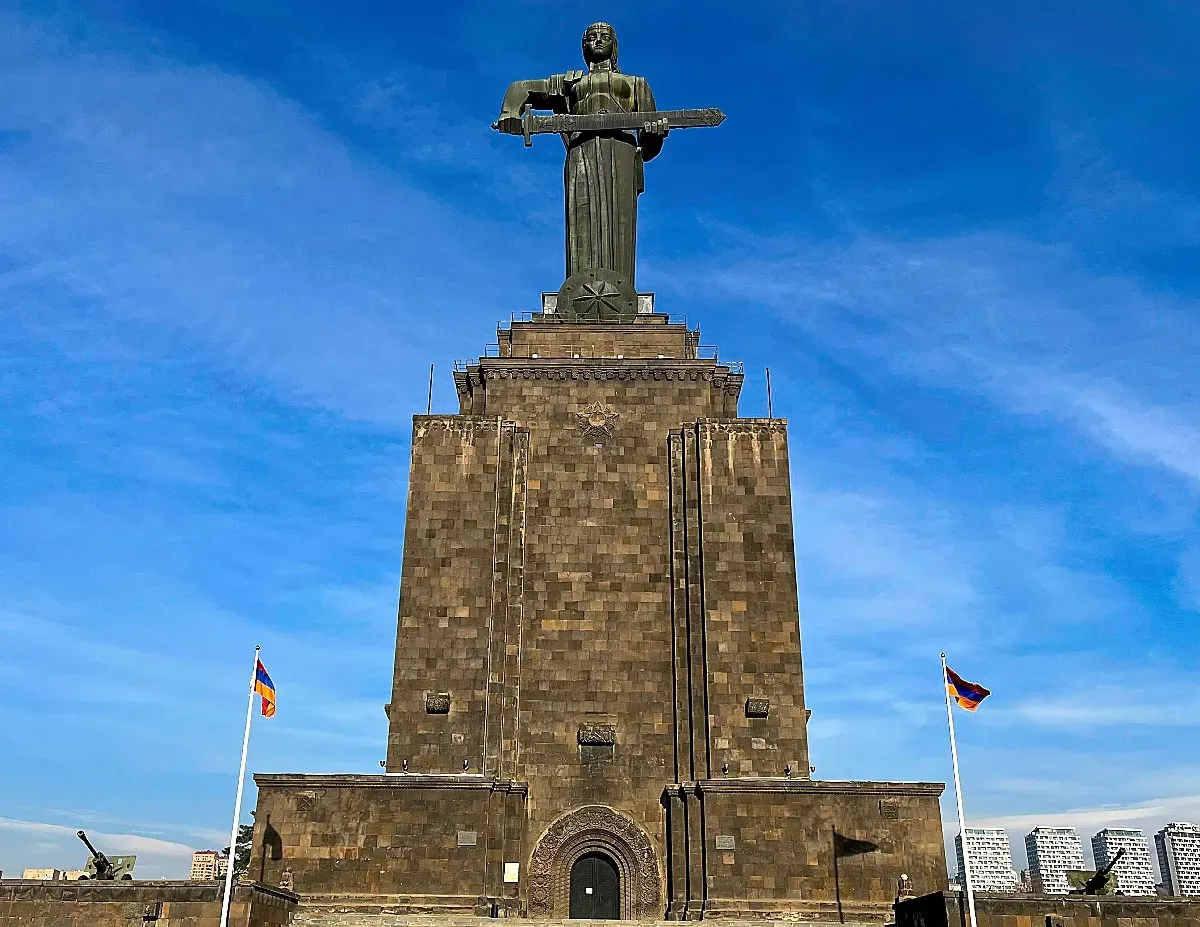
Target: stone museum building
point(598, 705)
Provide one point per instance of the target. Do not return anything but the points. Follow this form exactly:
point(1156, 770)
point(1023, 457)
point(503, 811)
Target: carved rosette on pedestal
point(595, 828)
point(597, 295)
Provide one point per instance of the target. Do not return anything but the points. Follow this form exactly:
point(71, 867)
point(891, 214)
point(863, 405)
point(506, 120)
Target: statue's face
point(599, 43)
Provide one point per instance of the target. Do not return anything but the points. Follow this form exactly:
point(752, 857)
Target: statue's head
point(600, 44)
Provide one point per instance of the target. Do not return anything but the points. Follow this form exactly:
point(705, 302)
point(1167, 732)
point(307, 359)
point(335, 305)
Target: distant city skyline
point(1177, 849)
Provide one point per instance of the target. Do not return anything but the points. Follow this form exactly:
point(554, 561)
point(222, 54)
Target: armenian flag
point(967, 694)
point(264, 687)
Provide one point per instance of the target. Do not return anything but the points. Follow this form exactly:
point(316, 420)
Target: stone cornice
point(775, 786)
point(721, 376)
point(387, 781)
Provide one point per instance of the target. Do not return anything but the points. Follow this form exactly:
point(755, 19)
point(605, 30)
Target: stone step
point(315, 917)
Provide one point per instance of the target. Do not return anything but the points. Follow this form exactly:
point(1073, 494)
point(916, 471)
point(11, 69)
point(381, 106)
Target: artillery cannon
point(103, 869)
point(1094, 883)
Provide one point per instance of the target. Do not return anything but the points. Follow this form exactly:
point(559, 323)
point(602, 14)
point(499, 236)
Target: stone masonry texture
point(120, 904)
point(598, 650)
point(996, 909)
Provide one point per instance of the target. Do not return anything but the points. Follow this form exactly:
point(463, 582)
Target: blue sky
point(233, 235)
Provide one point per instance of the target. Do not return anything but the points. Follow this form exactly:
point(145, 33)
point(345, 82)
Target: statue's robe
point(603, 172)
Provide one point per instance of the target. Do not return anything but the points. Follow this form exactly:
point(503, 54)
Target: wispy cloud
point(54, 846)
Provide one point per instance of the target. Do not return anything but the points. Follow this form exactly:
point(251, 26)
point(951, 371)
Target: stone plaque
point(758, 743)
point(456, 738)
point(757, 707)
point(438, 704)
point(512, 872)
point(889, 810)
point(468, 838)
point(597, 735)
point(726, 842)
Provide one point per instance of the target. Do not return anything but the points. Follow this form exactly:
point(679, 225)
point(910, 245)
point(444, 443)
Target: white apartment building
point(1053, 852)
point(208, 865)
point(1133, 872)
point(1178, 848)
point(990, 855)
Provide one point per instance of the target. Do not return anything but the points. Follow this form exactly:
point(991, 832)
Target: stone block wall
point(754, 674)
point(1001, 909)
point(443, 641)
point(598, 623)
point(423, 837)
point(651, 336)
point(769, 846)
point(123, 904)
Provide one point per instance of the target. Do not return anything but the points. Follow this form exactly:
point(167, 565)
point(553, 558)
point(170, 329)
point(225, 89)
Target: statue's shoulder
point(560, 84)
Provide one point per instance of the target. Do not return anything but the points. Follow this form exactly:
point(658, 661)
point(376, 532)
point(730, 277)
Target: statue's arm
point(654, 133)
point(550, 93)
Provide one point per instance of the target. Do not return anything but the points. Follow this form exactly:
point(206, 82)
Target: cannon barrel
point(87, 843)
point(104, 868)
point(1099, 880)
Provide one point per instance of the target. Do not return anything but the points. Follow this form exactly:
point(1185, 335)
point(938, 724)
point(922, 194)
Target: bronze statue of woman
point(603, 173)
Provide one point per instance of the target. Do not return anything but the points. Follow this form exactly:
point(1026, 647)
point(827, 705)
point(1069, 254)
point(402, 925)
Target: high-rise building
point(1178, 846)
point(208, 864)
point(1133, 871)
point(991, 859)
point(1053, 852)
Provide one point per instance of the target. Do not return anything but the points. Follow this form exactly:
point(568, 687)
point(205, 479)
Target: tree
point(241, 858)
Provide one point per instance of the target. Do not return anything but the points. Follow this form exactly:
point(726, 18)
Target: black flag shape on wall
point(848, 846)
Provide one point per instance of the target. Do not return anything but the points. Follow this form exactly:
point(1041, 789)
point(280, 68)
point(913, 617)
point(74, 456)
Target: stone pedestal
point(598, 652)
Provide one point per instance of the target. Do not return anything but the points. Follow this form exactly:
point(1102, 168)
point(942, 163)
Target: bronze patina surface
point(611, 126)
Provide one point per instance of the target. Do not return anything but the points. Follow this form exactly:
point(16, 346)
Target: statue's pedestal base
point(597, 296)
point(750, 847)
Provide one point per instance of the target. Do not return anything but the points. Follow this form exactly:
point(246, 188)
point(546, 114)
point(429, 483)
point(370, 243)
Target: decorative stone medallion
point(597, 420)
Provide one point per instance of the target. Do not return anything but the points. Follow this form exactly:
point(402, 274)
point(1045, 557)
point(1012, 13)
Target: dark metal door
point(595, 888)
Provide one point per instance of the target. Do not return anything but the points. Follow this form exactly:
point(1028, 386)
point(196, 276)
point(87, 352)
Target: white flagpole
point(962, 822)
point(237, 804)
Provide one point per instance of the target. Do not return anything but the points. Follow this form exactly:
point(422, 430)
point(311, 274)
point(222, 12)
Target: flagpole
point(237, 804)
point(962, 822)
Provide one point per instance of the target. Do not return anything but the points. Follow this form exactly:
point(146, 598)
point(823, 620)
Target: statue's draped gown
point(603, 172)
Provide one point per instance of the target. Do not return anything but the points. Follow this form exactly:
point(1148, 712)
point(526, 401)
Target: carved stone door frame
point(595, 829)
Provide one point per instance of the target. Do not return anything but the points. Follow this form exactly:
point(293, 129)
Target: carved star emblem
point(597, 420)
point(596, 298)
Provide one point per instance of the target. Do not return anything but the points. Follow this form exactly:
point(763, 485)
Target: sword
point(611, 122)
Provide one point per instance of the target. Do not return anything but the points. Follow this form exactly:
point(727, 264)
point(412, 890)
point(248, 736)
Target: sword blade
point(614, 122)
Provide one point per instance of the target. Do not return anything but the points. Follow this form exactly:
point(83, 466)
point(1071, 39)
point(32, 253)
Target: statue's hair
point(615, 44)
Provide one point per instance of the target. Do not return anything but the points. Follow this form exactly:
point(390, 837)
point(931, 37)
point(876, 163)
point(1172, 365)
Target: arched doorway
point(595, 830)
point(595, 888)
